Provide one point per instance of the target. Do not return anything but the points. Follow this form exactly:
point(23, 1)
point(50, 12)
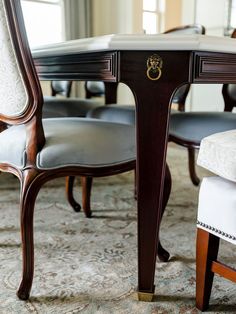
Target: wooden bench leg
point(207, 251)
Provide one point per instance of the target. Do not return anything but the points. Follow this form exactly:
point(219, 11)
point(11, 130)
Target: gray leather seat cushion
point(194, 126)
point(72, 141)
point(54, 107)
point(114, 113)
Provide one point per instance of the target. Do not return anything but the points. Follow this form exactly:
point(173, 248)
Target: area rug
point(90, 265)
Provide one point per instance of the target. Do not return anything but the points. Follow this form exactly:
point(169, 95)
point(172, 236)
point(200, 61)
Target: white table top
point(164, 42)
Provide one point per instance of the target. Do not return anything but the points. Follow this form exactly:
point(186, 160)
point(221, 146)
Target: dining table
point(153, 67)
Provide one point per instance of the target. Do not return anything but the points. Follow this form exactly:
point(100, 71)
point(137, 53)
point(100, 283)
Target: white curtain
point(77, 19)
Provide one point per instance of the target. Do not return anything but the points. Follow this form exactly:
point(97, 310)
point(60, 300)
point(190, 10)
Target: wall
point(188, 11)
point(118, 17)
point(173, 14)
point(208, 97)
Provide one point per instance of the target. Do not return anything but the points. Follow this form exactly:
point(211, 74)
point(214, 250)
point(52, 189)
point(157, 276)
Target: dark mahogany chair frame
point(31, 177)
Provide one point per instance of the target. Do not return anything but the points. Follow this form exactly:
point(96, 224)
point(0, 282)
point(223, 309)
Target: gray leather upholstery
point(73, 141)
point(187, 126)
point(194, 126)
point(114, 113)
point(54, 107)
point(96, 87)
point(61, 87)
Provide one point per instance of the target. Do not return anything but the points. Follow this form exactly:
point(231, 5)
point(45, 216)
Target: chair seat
point(72, 141)
point(192, 127)
point(217, 210)
point(114, 113)
point(54, 107)
point(217, 154)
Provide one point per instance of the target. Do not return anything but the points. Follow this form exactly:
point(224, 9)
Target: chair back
point(20, 90)
point(94, 89)
point(61, 87)
point(188, 29)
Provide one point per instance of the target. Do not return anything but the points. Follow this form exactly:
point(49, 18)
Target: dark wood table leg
point(152, 128)
point(153, 100)
point(111, 92)
point(162, 254)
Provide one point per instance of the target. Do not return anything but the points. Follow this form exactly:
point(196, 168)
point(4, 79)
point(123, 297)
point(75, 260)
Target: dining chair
point(107, 90)
point(216, 218)
point(62, 88)
point(94, 89)
point(37, 150)
point(187, 129)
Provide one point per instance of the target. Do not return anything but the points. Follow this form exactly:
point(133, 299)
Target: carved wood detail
point(213, 67)
point(92, 66)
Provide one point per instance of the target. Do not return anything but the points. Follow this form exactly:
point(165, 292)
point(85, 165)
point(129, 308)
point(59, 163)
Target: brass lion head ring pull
point(154, 66)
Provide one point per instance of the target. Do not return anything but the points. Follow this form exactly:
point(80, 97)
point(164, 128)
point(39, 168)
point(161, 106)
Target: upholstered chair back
point(188, 30)
point(13, 94)
point(20, 91)
point(61, 88)
point(21, 96)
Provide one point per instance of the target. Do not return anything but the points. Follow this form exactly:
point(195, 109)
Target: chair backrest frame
point(32, 116)
point(199, 29)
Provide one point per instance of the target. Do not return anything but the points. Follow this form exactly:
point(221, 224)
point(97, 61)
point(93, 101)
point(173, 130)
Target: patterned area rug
point(90, 265)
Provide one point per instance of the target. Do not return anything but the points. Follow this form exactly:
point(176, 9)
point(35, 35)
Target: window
point(43, 21)
point(153, 16)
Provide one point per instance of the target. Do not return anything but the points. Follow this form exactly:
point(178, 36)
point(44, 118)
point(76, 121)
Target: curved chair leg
point(162, 254)
point(27, 202)
point(86, 195)
point(191, 165)
point(69, 194)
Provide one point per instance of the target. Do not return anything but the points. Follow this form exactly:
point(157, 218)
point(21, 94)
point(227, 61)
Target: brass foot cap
point(145, 296)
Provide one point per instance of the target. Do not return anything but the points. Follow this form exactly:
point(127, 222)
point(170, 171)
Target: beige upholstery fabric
point(217, 154)
point(216, 208)
point(13, 94)
point(72, 141)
